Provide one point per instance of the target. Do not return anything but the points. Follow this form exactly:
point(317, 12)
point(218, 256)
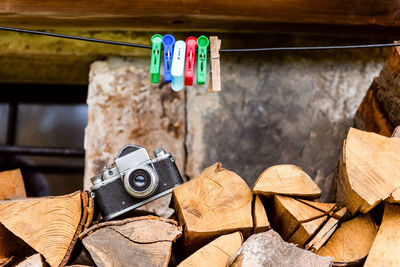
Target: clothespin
point(168, 41)
point(215, 79)
point(156, 41)
point(191, 44)
point(178, 65)
point(202, 44)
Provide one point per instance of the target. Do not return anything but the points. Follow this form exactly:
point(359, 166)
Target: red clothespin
point(191, 45)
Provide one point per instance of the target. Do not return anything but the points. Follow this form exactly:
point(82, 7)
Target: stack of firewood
point(219, 221)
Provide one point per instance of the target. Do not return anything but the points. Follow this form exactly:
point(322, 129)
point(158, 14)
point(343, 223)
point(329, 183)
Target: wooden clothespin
point(215, 78)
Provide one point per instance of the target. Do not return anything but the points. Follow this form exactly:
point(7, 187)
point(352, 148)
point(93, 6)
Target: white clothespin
point(178, 65)
point(215, 78)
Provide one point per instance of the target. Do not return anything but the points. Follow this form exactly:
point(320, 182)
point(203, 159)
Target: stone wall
point(124, 108)
point(281, 108)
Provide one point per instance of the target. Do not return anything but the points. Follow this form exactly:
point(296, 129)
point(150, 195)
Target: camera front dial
point(141, 182)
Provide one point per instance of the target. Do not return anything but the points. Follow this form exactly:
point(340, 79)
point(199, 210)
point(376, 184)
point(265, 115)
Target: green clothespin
point(202, 44)
point(156, 41)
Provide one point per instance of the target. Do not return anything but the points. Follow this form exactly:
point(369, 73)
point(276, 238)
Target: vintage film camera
point(134, 180)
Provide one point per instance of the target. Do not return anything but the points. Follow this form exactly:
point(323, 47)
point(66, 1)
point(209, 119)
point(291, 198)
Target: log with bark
point(140, 241)
point(368, 171)
point(380, 109)
point(268, 249)
point(215, 203)
point(49, 225)
point(217, 251)
point(351, 243)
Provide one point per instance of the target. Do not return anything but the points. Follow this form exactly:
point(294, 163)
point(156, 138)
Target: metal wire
point(233, 50)
point(80, 38)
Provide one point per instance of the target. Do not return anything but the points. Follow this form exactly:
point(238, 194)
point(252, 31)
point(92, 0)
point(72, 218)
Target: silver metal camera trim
point(123, 173)
point(104, 182)
point(153, 186)
point(118, 213)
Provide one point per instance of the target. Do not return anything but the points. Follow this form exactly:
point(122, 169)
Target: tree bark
point(380, 109)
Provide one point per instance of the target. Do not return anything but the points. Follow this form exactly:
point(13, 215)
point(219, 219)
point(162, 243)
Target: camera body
point(134, 180)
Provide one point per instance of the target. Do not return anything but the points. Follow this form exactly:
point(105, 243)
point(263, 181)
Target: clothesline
point(232, 50)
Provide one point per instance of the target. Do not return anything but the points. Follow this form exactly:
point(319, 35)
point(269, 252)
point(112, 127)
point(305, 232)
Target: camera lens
point(141, 182)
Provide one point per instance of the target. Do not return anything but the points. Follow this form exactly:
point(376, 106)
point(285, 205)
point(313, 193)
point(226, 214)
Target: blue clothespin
point(168, 43)
point(178, 65)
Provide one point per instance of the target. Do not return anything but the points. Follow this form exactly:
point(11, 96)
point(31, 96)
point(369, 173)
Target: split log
point(327, 208)
point(12, 185)
point(385, 249)
point(395, 196)
point(287, 180)
point(268, 249)
point(49, 225)
point(32, 261)
point(380, 110)
point(218, 251)
point(370, 115)
point(350, 244)
point(306, 230)
point(288, 213)
point(260, 219)
point(326, 231)
point(217, 202)
point(368, 170)
point(12, 247)
point(139, 241)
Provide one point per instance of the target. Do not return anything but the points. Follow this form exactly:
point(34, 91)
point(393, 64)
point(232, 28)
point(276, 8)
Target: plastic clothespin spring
point(156, 41)
point(202, 45)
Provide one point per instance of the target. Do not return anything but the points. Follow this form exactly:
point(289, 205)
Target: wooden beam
point(196, 14)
